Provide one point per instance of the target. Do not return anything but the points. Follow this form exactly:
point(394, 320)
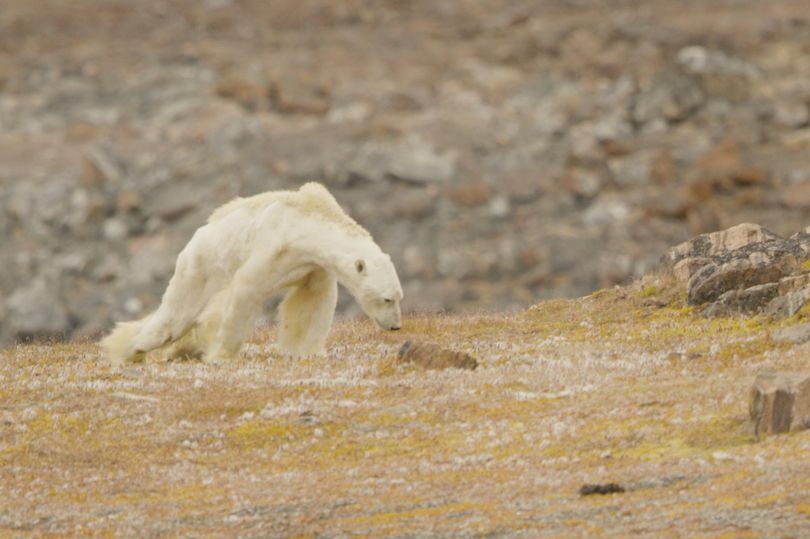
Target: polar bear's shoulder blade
point(253, 203)
point(315, 200)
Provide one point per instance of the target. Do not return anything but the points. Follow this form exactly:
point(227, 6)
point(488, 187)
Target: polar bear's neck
point(331, 246)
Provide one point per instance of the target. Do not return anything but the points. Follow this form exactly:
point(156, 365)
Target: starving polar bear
point(250, 249)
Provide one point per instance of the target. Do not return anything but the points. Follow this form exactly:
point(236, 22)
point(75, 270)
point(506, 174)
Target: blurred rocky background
point(501, 151)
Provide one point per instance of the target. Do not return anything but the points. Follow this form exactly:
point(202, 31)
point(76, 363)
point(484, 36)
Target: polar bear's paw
point(117, 346)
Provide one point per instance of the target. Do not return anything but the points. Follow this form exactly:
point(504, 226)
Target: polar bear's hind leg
point(185, 348)
point(227, 324)
point(184, 299)
point(118, 346)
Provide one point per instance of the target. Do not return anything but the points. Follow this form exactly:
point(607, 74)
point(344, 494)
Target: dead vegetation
point(625, 386)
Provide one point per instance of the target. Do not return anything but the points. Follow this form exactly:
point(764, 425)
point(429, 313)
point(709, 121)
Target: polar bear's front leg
point(306, 314)
point(240, 309)
point(233, 311)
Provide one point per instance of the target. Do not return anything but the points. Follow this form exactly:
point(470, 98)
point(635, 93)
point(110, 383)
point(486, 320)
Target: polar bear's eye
point(388, 300)
point(360, 266)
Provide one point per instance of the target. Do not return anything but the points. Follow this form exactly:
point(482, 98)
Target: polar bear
point(250, 249)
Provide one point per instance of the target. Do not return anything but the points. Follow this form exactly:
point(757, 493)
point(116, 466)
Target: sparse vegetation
point(626, 385)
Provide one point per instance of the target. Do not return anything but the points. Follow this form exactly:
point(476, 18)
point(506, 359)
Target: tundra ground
point(626, 385)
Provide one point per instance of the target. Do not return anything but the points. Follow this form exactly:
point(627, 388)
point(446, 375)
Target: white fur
point(250, 249)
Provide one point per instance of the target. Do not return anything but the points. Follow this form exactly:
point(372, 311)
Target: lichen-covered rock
point(745, 269)
point(747, 301)
point(786, 305)
point(432, 356)
point(685, 268)
point(780, 402)
point(757, 263)
point(794, 282)
point(712, 244)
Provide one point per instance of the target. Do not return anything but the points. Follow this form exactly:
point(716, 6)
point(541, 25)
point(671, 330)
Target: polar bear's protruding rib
point(312, 198)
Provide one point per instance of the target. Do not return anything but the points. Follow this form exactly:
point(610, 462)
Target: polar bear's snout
point(392, 322)
point(387, 314)
point(390, 326)
point(387, 326)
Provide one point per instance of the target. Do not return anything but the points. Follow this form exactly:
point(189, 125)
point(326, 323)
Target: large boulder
point(758, 263)
point(745, 269)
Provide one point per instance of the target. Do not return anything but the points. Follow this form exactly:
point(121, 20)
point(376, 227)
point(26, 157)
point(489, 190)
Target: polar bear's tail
point(117, 346)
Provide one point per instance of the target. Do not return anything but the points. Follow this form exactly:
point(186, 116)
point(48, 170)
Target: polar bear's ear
point(360, 265)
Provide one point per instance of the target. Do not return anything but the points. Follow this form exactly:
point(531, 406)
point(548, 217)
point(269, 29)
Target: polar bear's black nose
point(395, 328)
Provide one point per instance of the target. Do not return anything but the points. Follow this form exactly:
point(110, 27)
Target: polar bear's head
point(375, 286)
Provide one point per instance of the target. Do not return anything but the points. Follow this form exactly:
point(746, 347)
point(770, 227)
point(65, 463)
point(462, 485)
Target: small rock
point(250, 95)
point(721, 162)
point(793, 334)
point(793, 114)
point(793, 282)
point(412, 160)
point(432, 356)
point(417, 161)
point(128, 201)
point(780, 402)
point(702, 60)
point(672, 98)
point(667, 202)
point(796, 195)
point(606, 210)
point(414, 204)
point(298, 96)
point(582, 182)
point(473, 194)
point(174, 200)
point(115, 229)
point(101, 167)
point(633, 170)
point(349, 113)
point(499, 207)
point(521, 185)
point(606, 488)
point(720, 74)
point(785, 306)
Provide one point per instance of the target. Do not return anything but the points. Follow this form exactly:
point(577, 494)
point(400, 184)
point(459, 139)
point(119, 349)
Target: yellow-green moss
point(649, 291)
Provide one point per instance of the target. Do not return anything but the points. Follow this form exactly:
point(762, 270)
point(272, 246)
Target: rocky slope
point(501, 152)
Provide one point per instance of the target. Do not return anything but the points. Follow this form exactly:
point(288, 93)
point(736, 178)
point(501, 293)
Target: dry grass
point(613, 387)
